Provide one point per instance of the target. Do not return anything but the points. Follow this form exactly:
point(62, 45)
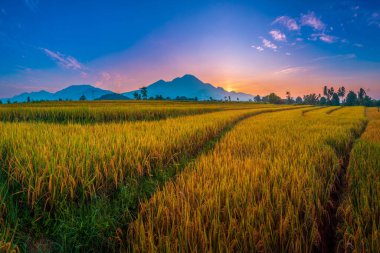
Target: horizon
point(254, 48)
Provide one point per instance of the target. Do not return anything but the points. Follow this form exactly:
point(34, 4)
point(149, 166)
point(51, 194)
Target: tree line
point(331, 96)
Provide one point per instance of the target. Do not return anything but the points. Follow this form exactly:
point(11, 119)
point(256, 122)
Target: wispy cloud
point(292, 70)
point(335, 57)
point(358, 45)
point(288, 22)
point(374, 19)
point(327, 38)
point(278, 35)
point(67, 62)
point(311, 20)
point(324, 38)
point(258, 48)
point(269, 44)
point(32, 4)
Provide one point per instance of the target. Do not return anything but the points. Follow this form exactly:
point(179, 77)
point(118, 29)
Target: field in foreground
point(158, 176)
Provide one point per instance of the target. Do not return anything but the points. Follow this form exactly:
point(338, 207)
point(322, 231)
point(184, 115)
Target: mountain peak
point(190, 86)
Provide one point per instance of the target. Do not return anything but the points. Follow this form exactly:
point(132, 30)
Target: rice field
point(110, 111)
point(359, 228)
point(264, 188)
point(153, 176)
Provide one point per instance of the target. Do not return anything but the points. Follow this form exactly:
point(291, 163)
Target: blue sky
point(250, 46)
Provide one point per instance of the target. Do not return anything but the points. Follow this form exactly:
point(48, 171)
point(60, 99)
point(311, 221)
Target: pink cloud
point(288, 22)
point(278, 35)
point(258, 48)
point(311, 20)
point(269, 44)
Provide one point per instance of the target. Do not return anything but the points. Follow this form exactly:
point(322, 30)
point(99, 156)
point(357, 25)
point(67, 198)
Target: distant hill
point(73, 92)
point(191, 87)
point(33, 96)
point(187, 86)
point(113, 96)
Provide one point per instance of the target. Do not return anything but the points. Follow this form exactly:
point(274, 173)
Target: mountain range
point(186, 86)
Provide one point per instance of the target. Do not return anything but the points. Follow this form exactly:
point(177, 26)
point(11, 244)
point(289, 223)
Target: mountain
point(37, 95)
point(73, 92)
point(191, 87)
point(187, 86)
point(113, 96)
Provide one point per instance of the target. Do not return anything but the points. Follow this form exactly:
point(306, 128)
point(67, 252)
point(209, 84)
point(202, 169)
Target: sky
point(255, 47)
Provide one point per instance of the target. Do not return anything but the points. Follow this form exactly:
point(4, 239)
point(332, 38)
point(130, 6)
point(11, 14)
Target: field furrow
point(359, 227)
point(264, 188)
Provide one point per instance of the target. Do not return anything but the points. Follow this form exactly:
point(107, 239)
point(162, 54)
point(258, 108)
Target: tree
point(325, 92)
point(299, 100)
point(229, 98)
point(28, 100)
point(351, 98)
point(311, 99)
point(82, 98)
point(342, 92)
point(289, 99)
point(8, 101)
point(1, 102)
point(361, 95)
point(335, 99)
point(144, 92)
point(274, 99)
point(257, 98)
point(322, 101)
point(367, 101)
point(237, 99)
point(136, 95)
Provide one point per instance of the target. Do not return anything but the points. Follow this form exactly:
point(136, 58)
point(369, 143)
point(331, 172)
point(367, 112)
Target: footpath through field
point(265, 187)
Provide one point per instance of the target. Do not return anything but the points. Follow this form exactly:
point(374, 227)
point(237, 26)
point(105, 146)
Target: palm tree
point(144, 92)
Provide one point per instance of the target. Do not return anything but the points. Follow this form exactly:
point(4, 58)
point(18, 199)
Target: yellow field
point(265, 187)
point(110, 111)
point(360, 227)
point(154, 176)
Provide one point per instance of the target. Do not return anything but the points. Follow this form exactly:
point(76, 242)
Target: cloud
point(288, 22)
point(374, 19)
point(327, 38)
point(335, 57)
point(358, 45)
point(288, 54)
point(324, 38)
point(258, 48)
point(32, 4)
point(292, 70)
point(67, 62)
point(278, 35)
point(269, 44)
point(311, 20)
